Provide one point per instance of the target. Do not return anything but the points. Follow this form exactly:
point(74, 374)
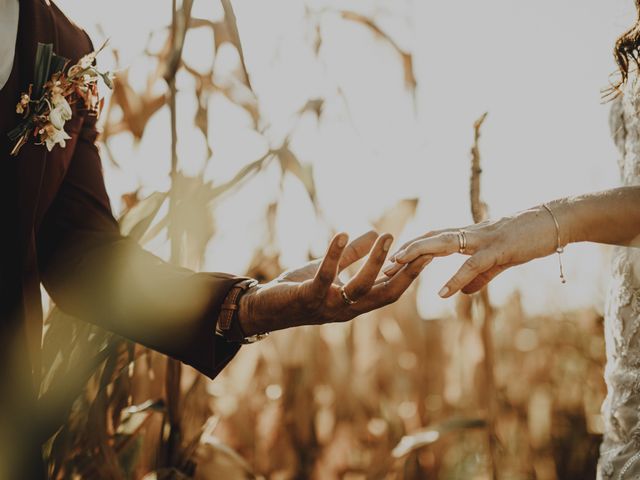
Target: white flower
point(56, 90)
point(59, 101)
point(87, 60)
point(55, 136)
point(61, 112)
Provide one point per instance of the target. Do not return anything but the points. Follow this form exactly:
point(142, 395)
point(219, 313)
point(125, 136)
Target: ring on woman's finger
point(345, 297)
point(462, 241)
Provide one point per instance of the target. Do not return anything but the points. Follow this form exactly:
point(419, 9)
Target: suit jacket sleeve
point(91, 271)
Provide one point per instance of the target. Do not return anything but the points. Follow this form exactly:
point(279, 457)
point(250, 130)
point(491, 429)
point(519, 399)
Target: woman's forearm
point(611, 217)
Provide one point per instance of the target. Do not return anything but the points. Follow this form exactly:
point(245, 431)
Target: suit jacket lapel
point(36, 25)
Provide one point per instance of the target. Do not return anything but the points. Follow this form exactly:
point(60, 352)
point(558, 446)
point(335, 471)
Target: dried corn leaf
point(407, 58)
point(396, 218)
point(232, 27)
point(137, 108)
point(290, 163)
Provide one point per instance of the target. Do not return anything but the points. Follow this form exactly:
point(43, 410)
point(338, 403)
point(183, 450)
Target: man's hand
point(311, 295)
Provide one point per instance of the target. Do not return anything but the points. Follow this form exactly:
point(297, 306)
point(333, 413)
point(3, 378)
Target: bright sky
point(537, 67)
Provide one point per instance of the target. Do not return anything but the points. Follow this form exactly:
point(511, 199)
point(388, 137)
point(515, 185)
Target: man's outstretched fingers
point(474, 266)
point(405, 277)
point(362, 282)
point(384, 293)
point(357, 249)
point(329, 267)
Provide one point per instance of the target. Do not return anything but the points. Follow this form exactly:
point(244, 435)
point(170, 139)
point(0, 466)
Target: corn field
point(486, 393)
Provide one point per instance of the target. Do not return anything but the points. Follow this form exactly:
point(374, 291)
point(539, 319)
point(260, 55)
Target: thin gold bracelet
point(559, 247)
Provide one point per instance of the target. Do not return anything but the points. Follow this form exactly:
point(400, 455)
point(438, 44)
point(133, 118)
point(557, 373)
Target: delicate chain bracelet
point(559, 247)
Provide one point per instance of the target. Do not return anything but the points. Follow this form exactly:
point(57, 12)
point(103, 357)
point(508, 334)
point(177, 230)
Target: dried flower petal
point(54, 136)
point(53, 107)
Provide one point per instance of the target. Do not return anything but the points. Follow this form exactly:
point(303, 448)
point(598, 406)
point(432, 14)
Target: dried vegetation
point(488, 393)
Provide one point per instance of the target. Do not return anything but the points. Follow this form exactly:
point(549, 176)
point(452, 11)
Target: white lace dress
point(620, 450)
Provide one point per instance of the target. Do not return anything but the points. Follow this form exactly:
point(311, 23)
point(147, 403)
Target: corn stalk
point(179, 25)
point(483, 305)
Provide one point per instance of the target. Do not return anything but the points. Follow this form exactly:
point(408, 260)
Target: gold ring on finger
point(345, 297)
point(462, 241)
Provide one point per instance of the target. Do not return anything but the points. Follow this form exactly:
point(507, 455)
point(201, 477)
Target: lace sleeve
point(617, 125)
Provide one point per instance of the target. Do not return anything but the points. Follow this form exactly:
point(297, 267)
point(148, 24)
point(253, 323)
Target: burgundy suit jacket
point(57, 228)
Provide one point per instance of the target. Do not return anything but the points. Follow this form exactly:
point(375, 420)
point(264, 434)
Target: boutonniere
point(46, 106)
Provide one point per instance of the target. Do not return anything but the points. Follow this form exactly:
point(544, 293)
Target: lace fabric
point(620, 450)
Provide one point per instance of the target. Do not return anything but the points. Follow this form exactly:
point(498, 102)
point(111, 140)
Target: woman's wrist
point(562, 212)
point(536, 233)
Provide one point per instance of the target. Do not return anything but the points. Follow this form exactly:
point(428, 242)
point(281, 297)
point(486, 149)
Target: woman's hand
point(493, 246)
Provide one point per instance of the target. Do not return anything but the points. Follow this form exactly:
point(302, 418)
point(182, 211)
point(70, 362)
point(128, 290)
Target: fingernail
point(444, 291)
point(387, 244)
point(399, 255)
point(342, 240)
point(387, 268)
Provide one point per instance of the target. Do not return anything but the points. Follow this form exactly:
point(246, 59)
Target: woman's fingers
point(362, 282)
point(442, 244)
point(357, 249)
point(432, 233)
point(474, 266)
point(391, 269)
point(329, 267)
point(484, 278)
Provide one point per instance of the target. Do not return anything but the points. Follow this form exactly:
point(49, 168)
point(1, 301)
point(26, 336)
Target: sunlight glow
point(537, 67)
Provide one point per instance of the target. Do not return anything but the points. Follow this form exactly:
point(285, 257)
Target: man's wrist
point(229, 325)
point(248, 315)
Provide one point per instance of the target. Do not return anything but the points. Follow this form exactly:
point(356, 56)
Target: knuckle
point(449, 239)
point(449, 236)
point(473, 264)
point(416, 248)
point(412, 248)
point(321, 280)
point(325, 275)
point(334, 255)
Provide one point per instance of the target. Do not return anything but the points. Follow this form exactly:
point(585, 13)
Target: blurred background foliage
point(485, 393)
